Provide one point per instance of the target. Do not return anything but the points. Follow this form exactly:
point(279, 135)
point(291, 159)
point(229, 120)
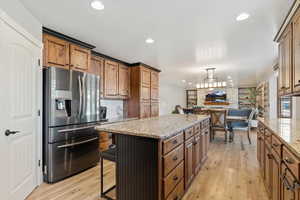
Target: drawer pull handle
point(175, 142)
point(175, 178)
point(275, 145)
point(289, 160)
point(270, 156)
point(176, 198)
point(175, 158)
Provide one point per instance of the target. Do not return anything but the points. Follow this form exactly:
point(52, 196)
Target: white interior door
point(18, 100)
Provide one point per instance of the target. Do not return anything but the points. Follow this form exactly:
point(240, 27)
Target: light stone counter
point(158, 127)
point(287, 130)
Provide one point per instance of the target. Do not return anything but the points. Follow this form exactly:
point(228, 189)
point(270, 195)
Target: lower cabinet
point(197, 153)
point(189, 161)
point(275, 176)
point(279, 166)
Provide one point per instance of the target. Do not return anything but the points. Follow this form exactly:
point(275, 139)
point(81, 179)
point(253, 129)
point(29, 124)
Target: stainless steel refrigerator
point(71, 111)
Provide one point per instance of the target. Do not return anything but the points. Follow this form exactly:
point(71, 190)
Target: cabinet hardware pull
point(270, 156)
point(275, 145)
point(176, 198)
point(298, 81)
point(175, 142)
point(175, 178)
point(175, 158)
point(289, 160)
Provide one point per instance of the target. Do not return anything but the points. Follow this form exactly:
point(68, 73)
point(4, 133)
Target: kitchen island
point(157, 158)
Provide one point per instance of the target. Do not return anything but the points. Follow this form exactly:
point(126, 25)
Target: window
point(285, 107)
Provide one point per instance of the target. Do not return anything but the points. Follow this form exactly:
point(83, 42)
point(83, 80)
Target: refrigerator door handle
point(80, 96)
point(77, 143)
point(83, 93)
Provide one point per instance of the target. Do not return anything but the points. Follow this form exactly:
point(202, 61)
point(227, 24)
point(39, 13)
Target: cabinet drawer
point(170, 144)
point(177, 193)
point(173, 179)
point(189, 133)
point(291, 161)
point(268, 136)
point(197, 128)
point(172, 159)
point(276, 145)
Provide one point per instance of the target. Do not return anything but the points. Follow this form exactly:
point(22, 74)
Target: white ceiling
point(189, 35)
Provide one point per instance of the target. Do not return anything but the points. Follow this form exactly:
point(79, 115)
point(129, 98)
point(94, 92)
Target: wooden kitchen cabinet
point(145, 110)
point(56, 52)
point(268, 169)
point(97, 68)
point(79, 58)
point(198, 153)
point(275, 190)
point(296, 52)
point(189, 161)
point(144, 89)
point(124, 81)
point(111, 76)
point(288, 192)
point(154, 109)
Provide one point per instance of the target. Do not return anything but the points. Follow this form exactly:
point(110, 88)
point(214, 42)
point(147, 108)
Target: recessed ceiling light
point(242, 16)
point(183, 81)
point(190, 83)
point(229, 77)
point(149, 41)
point(198, 85)
point(97, 5)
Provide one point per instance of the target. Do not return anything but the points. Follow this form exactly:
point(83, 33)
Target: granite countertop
point(287, 130)
point(115, 120)
point(161, 127)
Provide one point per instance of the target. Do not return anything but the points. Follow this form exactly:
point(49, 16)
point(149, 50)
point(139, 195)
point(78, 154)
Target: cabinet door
point(197, 154)
point(268, 169)
point(154, 109)
point(207, 141)
point(145, 93)
point(296, 52)
point(145, 77)
point(262, 157)
point(124, 77)
point(145, 110)
point(110, 79)
point(96, 68)
point(203, 148)
point(287, 191)
point(281, 88)
point(154, 79)
point(258, 148)
point(189, 152)
point(56, 52)
point(154, 94)
point(80, 58)
point(275, 178)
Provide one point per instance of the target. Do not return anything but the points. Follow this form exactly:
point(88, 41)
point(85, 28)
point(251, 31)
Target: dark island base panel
point(137, 174)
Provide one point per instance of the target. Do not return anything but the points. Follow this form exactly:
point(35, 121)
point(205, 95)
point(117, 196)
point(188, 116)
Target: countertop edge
point(98, 128)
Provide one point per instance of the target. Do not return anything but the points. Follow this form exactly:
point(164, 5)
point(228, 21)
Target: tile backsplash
point(115, 108)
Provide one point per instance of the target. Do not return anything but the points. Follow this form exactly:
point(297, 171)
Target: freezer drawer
point(68, 158)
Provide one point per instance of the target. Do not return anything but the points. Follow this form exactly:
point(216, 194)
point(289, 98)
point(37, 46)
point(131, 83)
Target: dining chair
point(218, 122)
point(246, 125)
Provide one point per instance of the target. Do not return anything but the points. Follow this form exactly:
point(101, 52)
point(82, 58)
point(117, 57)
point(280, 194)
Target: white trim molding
point(9, 21)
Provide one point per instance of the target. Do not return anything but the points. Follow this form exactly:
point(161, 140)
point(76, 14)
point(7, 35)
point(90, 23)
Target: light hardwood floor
point(230, 173)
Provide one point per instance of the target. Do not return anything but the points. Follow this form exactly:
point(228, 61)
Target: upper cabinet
point(285, 62)
point(116, 80)
point(111, 79)
point(97, 68)
point(79, 58)
point(288, 38)
point(56, 52)
point(63, 54)
point(296, 52)
point(124, 81)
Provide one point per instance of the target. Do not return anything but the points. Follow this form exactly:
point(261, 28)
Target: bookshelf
point(247, 97)
point(191, 98)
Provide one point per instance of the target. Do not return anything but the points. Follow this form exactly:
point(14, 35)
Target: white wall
point(16, 10)
point(170, 96)
point(273, 95)
point(296, 108)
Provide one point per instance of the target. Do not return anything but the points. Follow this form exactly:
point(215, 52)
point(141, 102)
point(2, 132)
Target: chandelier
point(211, 81)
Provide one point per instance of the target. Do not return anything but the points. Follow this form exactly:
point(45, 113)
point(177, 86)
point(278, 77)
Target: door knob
point(8, 132)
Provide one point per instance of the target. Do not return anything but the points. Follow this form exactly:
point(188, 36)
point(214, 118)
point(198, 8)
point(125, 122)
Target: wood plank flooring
point(230, 173)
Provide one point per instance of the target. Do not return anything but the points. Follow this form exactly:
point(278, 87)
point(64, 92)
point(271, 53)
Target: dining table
point(230, 120)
